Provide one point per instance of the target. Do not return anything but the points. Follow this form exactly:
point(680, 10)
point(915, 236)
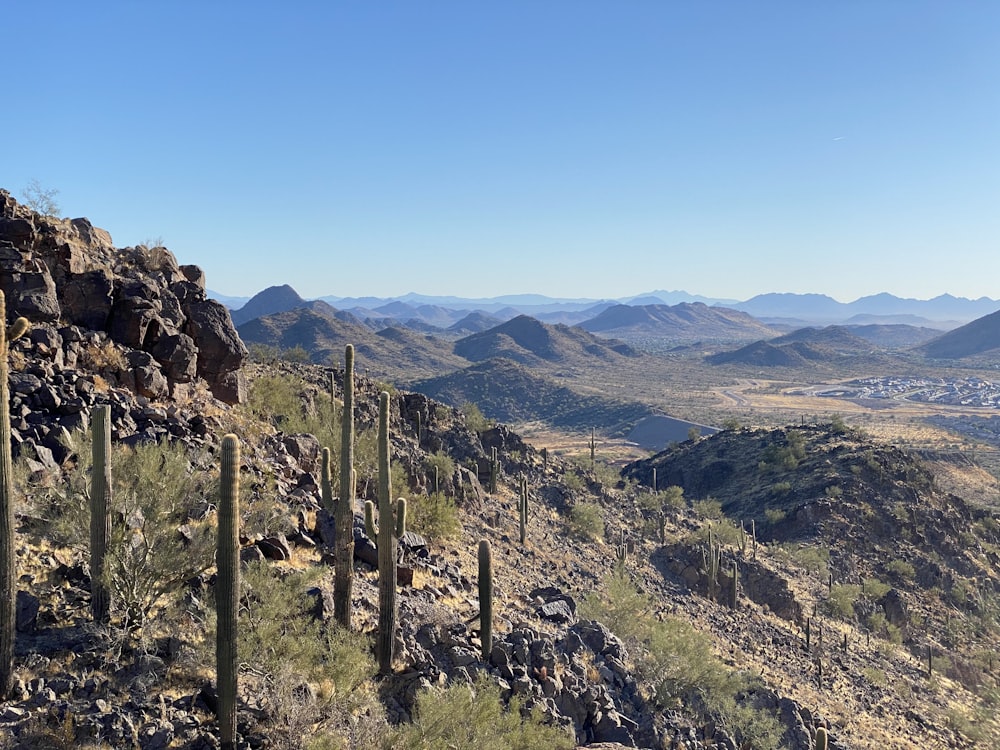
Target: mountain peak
point(272, 300)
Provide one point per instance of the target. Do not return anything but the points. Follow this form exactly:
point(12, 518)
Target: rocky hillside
point(976, 338)
point(83, 295)
point(510, 392)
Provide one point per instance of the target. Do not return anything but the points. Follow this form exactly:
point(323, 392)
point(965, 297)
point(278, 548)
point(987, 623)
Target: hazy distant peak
point(274, 299)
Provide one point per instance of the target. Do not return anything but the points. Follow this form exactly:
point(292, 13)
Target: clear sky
point(569, 148)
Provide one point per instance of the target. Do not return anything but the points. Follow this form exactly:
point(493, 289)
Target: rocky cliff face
point(80, 292)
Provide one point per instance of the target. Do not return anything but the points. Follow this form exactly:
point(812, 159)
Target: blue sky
point(573, 149)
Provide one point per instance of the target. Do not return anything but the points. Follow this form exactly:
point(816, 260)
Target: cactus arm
point(400, 517)
point(370, 528)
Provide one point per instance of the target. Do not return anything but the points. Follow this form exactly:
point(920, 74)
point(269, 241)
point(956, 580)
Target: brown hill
point(508, 391)
point(981, 336)
point(529, 341)
point(394, 352)
point(272, 300)
point(685, 321)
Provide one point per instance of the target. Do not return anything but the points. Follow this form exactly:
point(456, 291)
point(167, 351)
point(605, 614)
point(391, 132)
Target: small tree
point(39, 199)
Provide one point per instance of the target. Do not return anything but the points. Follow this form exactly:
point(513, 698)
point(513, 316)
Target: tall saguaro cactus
point(522, 508)
point(227, 590)
point(343, 513)
point(100, 517)
point(389, 530)
point(8, 556)
point(486, 597)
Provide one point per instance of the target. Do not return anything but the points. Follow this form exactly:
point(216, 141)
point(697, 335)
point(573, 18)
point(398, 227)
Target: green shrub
point(474, 418)
point(812, 559)
point(473, 716)
point(573, 481)
point(587, 521)
point(774, 516)
point(154, 487)
point(901, 569)
point(678, 660)
point(673, 497)
point(841, 601)
point(434, 516)
point(709, 509)
point(875, 589)
point(441, 465)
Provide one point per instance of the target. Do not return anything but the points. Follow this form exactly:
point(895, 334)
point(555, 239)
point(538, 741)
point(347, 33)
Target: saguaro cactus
point(100, 518)
point(735, 592)
point(821, 739)
point(8, 555)
point(494, 469)
point(387, 534)
point(343, 513)
point(522, 509)
point(227, 590)
point(486, 597)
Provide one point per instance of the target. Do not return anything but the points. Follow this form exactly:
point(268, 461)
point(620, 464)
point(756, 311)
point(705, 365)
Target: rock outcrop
point(66, 276)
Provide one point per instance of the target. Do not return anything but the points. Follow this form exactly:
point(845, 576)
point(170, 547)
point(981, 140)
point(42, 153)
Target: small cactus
point(486, 598)
point(494, 469)
point(734, 593)
point(227, 590)
point(822, 739)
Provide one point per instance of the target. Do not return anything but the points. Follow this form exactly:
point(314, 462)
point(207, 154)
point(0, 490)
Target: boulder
point(221, 352)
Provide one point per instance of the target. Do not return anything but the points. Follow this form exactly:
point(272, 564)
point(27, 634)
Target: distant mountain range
point(520, 366)
point(785, 310)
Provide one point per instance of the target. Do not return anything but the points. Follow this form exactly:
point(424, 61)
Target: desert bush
point(723, 532)
point(901, 569)
point(874, 588)
point(573, 480)
point(812, 559)
point(434, 516)
point(441, 465)
point(586, 521)
point(474, 418)
point(649, 501)
point(673, 497)
point(309, 674)
point(841, 601)
point(678, 661)
point(774, 516)
point(155, 547)
point(268, 354)
point(40, 199)
point(473, 716)
point(709, 509)
point(103, 354)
